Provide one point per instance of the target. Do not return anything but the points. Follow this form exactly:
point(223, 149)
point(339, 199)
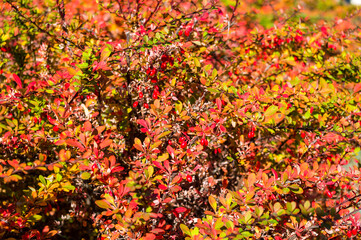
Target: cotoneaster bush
point(178, 120)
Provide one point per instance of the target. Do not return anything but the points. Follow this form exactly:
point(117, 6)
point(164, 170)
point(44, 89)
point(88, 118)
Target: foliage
point(178, 119)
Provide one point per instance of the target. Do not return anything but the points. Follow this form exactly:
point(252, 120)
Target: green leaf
point(271, 110)
point(229, 224)
point(85, 175)
point(298, 191)
point(290, 206)
point(213, 90)
point(185, 229)
point(83, 65)
point(286, 190)
point(105, 54)
point(42, 180)
point(307, 204)
point(69, 187)
point(219, 224)
point(103, 204)
point(178, 107)
point(247, 217)
point(214, 73)
point(149, 172)
point(307, 115)
point(196, 62)
point(247, 234)
point(208, 67)
point(320, 212)
point(59, 177)
point(35, 218)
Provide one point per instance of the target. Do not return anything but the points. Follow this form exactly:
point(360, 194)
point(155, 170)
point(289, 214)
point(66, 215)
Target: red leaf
point(143, 123)
point(74, 143)
point(158, 165)
point(222, 128)
point(52, 121)
point(170, 151)
point(275, 173)
point(30, 86)
point(180, 209)
point(149, 236)
point(162, 187)
point(157, 231)
point(17, 80)
point(219, 104)
point(117, 169)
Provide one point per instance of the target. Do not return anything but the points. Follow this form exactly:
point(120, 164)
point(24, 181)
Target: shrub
point(177, 119)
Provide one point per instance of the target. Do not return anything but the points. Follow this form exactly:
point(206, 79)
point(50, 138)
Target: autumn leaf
point(17, 80)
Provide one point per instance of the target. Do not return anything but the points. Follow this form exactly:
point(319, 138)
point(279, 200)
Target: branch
point(153, 12)
point(41, 29)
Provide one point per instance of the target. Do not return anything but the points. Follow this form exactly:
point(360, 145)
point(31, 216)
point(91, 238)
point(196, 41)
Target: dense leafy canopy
point(179, 119)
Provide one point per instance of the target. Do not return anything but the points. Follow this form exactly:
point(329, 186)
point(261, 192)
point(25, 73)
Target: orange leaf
point(87, 126)
point(105, 143)
point(357, 88)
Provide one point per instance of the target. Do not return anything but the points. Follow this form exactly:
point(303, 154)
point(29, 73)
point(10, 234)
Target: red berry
point(94, 166)
point(251, 135)
point(155, 95)
point(140, 95)
point(135, 104)
point(204, 142)
point(154, 79)
point(184, 144)
point(188, 31)
point(164, 58)
point(146, 105)
point(180, 33)
point(56, 128)
point(349, 234)
point(163, 65)
point(189, 178)
point(169, 142)
point(153, 72)
point(354, 231)
point(182, 139)
point(215, 151)
point(303, 134)
point(66, 86)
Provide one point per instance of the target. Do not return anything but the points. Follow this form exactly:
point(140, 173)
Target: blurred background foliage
point(266, 12)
